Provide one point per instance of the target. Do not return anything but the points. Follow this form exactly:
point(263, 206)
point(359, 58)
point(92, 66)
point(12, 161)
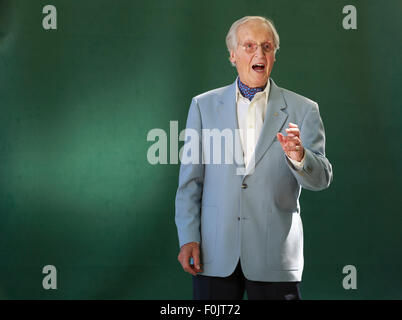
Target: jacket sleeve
point(317, 170)
point(191, 179)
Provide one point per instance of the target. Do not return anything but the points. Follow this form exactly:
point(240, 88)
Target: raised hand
point(291, 144)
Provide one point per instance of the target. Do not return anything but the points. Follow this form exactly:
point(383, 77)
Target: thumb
point(279, 136)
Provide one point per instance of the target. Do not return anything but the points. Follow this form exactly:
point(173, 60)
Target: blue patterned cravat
point(248, 92)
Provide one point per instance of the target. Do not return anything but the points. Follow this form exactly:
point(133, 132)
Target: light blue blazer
point(254, 217)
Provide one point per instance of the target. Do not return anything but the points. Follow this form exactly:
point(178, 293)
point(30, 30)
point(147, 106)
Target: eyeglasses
point(251, 46)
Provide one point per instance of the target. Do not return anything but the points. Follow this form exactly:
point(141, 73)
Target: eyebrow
point(256, 41)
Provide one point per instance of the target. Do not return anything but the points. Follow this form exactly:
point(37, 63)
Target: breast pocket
point(209, 218)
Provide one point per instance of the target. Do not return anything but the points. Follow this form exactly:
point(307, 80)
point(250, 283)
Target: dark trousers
point(234, 286)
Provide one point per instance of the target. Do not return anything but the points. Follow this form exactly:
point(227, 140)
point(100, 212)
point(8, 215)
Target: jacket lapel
point(274, 120)
point(228, 117)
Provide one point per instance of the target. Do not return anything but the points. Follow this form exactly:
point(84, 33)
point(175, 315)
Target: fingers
point(186, 265)
point(190, 251)
point(280, 137)
point(294, 139)
point(291, 142)
point(292, 148)
point(293, 131)
point(184, 260)
point(196, 258)
point(288, 139)
point(293, 134)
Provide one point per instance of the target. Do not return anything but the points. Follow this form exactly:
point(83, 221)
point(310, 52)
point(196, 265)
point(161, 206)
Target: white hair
point(231, 37)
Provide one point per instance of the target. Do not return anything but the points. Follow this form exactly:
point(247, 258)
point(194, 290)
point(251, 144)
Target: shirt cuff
point(298, 164)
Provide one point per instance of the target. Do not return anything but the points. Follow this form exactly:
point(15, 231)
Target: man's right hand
point(187, 251)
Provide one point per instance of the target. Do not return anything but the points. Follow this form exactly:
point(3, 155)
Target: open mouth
point(259, 67)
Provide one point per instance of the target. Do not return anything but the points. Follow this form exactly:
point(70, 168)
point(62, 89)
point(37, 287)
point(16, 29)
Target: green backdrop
point(77, 191)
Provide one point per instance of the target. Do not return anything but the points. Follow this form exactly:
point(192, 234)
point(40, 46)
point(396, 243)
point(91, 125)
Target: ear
point(232, 57)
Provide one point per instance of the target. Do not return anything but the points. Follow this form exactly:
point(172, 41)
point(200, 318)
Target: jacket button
point(238, 218)
point(244, 186)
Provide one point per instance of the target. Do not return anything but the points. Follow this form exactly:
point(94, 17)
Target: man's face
point(254, 68)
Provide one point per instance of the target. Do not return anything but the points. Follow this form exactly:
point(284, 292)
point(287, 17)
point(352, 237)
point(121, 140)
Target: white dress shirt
point(250, 117)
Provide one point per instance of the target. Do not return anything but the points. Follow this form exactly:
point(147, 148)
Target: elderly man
point(242, 231)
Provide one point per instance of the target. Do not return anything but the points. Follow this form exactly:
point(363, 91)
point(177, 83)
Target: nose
point(259, 52)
